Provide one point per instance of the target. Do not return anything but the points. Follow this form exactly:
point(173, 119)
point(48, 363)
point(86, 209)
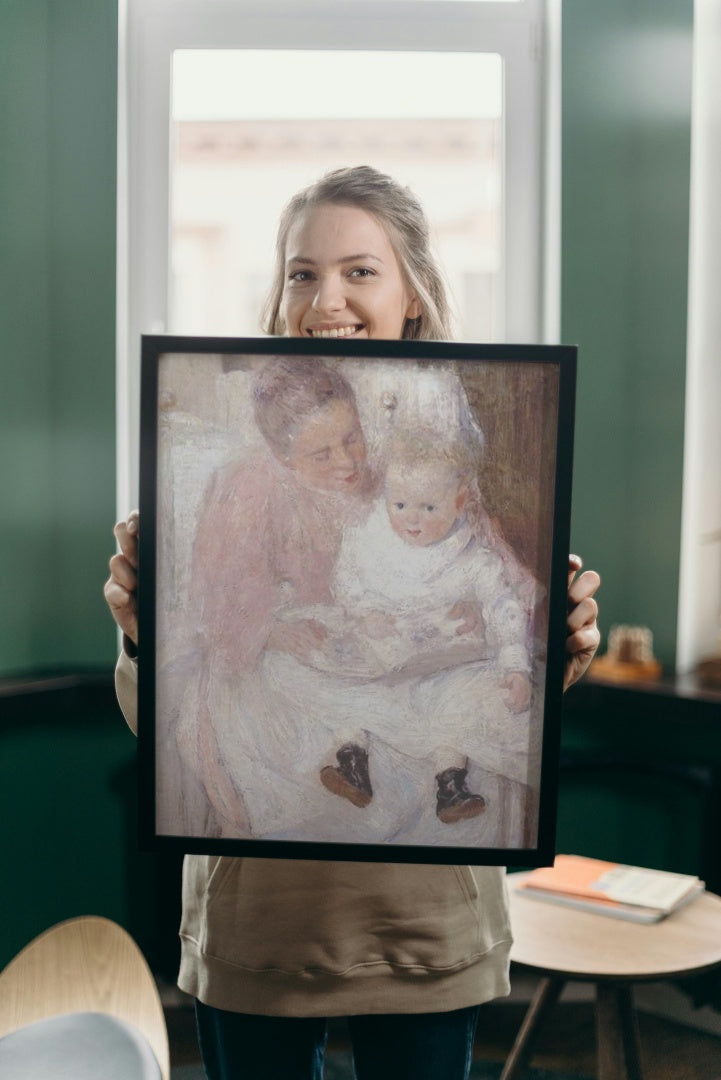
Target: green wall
point(58, 72)
point(625, 199)
point(67, 771)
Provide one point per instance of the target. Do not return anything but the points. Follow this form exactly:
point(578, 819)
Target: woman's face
point(328, 451)
point(342, 277)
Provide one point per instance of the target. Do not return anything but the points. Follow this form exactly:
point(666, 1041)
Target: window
point(227, 105)
point(235, 161)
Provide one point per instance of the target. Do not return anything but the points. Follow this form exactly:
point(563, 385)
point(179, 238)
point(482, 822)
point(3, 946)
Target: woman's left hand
point(583, 635)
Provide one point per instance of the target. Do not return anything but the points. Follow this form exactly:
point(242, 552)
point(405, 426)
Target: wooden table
point(562, 944)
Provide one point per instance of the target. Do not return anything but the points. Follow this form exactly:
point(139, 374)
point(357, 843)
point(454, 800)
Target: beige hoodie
point(286, 937)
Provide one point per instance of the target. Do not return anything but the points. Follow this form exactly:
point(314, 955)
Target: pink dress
point(264, 543)
point(265, 546)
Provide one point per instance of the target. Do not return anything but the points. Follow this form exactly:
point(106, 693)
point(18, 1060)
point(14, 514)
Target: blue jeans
point(414, 1046)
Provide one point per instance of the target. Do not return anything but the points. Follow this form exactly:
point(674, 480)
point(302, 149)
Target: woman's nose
point(343, 457)
point(329, 295)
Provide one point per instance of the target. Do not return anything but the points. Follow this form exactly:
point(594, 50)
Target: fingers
point(583, 613)
point(583, 587)
point(123, 572)
point(581, 651)
point(121, 587)
point(582, 607)
point(583, 636)
point(121, 603)
point(123, 608)
point(584, 641)
point(575, 563)
point(126, 534)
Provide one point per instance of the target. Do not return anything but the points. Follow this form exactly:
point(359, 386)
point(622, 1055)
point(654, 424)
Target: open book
point(423, 645)
point(608, 888)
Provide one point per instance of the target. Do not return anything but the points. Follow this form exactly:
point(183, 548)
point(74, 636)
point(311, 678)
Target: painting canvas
point(352, 595)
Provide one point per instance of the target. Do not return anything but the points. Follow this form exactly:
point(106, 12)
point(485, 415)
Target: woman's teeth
point(336, 332)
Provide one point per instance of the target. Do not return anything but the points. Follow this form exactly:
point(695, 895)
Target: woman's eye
point(399, 506)
point(430, 508)
point(300, 276)
point(362, 272)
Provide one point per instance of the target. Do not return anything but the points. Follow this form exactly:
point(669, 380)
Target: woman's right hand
point(299, 637)
point(121, 587)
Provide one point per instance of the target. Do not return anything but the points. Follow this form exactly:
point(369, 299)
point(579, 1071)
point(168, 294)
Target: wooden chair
point(90, 972)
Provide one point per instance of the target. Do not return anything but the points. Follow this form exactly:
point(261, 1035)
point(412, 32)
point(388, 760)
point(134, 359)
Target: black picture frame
point(242, 550)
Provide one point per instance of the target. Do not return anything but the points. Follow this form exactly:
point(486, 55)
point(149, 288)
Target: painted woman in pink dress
point(270, 532)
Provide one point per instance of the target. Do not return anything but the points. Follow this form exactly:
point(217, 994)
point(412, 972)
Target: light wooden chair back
point(87, 964)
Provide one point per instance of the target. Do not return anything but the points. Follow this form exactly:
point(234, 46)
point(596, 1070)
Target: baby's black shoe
point(454, 801)
point(350, 777)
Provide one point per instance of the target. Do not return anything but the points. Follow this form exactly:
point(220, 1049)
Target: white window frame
point(699, 597)
point(526, 34)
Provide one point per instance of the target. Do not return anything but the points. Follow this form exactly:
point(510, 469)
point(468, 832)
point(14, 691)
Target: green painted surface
point(62, 787)
point(69, 789)
point(650, 796)
point(66, 774)
point(58, 74)
point(626, 145)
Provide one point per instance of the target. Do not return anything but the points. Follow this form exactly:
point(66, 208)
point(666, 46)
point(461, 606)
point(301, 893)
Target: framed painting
point(352, 597)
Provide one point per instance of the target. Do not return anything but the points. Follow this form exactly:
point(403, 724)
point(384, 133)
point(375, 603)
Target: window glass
point(238, 154)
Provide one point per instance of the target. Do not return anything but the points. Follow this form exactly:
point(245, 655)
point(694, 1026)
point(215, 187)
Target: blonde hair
point(419, 448)
point(401, 214)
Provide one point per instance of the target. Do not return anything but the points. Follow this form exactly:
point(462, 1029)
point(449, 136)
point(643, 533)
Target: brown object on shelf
point(630, 656)
point(605, 667)
point(709, 671)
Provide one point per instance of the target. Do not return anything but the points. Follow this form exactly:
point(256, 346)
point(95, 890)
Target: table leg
point(545, 997)
point(617, 1033)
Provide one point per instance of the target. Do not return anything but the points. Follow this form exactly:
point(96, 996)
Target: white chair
point(80, 1002)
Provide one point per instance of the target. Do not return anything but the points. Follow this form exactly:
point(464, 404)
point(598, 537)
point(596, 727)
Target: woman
point(271, 948)
point(268, 537)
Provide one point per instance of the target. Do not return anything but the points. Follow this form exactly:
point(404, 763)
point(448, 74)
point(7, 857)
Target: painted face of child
point(342, 277)
point(328, 452)
point(423, 502)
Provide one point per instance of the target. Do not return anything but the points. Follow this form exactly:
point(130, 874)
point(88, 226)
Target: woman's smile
point(334, 331)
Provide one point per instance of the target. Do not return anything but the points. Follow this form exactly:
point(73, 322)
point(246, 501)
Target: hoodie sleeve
point(126, 688)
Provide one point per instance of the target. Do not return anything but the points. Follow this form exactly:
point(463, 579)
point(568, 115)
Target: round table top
point(559, 940)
